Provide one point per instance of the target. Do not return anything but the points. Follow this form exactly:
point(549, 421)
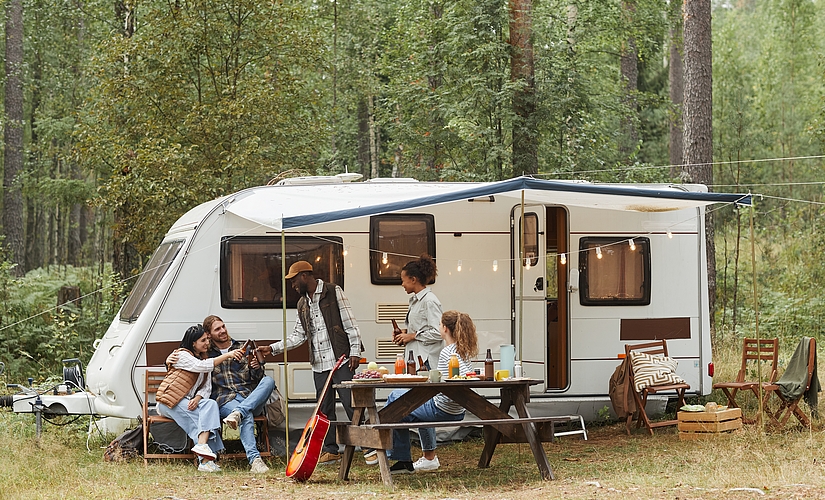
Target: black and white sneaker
point(402, 467)
point(371, 456)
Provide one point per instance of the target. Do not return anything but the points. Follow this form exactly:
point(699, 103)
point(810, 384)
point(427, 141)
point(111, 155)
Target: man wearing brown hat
point(325, 320)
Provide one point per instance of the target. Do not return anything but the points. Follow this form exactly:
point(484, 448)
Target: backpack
point(127, 445)
point(275, 411)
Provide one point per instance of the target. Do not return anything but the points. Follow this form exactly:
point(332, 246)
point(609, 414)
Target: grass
point(787, 464)
point(778, 464)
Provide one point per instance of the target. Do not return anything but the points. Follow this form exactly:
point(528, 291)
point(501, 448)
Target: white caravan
point(602, 265)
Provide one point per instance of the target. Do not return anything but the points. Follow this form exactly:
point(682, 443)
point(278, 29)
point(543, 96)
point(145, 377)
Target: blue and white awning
point(287, 207)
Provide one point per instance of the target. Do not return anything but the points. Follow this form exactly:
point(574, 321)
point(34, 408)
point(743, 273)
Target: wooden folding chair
point(754, 351)
point(651, 348)
point(790, 407)
point(153, 380)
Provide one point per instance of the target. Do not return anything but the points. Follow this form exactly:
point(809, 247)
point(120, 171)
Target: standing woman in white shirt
point(184, 394)
point(422, 334)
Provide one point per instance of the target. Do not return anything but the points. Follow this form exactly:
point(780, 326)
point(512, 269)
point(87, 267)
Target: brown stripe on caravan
point(655, 329)
point(156, 352)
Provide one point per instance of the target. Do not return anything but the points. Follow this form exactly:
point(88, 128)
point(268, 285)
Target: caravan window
point(531, 240)
point(251, 268)
point(396, 239)
point(149, 280)
point(620, 277)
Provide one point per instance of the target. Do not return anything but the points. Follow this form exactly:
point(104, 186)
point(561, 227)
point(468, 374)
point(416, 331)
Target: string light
point(632, 244)
point(527, 263)
point(459, 266)
point(346, 250)
point(384, 258)
point(563, 259)
point(669, 234)
point(598, 252)
point(495, 265)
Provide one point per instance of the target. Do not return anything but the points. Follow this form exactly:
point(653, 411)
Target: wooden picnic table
point(499, 425)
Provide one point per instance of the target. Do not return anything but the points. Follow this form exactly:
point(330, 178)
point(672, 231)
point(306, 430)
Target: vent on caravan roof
point(319, 179)
point(387, 180)
point(386, 349)
point(384, 313)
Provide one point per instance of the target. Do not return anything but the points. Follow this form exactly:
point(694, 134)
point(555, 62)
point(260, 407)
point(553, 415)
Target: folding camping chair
point(790, 406)
point(755, 351)
point(658, 347)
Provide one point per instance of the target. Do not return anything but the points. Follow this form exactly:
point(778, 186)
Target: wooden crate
point(708, 425)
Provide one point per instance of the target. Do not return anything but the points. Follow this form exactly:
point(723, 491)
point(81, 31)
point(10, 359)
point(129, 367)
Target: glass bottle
point(400, 366)
point(489, 371)
point(411, 364)
point(395, 330)
point(453, 366)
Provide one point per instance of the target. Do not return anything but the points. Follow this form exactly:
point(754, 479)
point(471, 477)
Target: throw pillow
point(653, 370)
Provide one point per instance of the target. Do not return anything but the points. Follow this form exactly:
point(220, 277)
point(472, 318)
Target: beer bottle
point(411, 364)
point(395, 330)
point(400, 366)
point(455, 371)
point(489, 371)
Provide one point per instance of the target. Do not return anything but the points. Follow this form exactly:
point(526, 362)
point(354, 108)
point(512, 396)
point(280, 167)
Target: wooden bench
point(150, 416)
point(507, 426)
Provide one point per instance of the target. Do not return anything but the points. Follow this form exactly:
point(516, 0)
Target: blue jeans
point(250, 407)
point(327, 406)
point(206, 417)
point(428, 412)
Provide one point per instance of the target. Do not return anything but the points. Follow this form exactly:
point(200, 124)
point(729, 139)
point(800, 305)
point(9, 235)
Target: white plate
point(460, 379)
point(365, 380)
point(400, 379)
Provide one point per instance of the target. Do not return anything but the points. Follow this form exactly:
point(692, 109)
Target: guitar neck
point(335, 368)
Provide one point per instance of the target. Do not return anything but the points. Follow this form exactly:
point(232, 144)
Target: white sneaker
point(259, 467)
point(424, 465)
point(203, 450)
point(209, 466)
point(233, 420)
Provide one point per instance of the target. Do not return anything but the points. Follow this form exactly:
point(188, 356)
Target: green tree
point(203, 99)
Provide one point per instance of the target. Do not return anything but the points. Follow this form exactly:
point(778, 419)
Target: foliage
point(35, 335)
point(204, 99)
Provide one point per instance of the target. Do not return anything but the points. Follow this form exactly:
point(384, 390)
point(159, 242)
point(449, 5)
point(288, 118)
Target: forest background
point(121, 115)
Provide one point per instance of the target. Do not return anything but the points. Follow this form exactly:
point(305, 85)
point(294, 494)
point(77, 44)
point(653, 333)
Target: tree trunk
point(676, 74)
point(373, 139)
point(32, 254)
point(630, 76)
point(522, 71)
point(364, 138)
point(124, 255)
point(13, 137)
point(698, 119)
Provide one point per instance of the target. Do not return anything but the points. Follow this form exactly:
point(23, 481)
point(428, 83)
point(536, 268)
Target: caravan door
point(529, 290)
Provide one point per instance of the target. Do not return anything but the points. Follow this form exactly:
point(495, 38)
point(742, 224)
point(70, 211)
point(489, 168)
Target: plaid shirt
point(323, 359)
point(233, 377)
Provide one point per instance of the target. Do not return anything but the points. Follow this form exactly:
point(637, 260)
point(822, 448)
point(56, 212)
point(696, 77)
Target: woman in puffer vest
point(184, 393)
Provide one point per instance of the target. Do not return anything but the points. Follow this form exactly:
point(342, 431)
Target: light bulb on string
point(632, 244)
point(495, 265)
point(384, 258)
point(346, 250)
point(598, 252)
point(527, 263)
point(563, 258)
point(669, 234)
point(458, 268)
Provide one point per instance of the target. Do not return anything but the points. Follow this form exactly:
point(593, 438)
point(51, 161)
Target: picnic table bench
point(498, 425)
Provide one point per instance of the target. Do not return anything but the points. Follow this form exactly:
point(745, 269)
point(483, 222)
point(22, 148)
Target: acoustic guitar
point(302, 463)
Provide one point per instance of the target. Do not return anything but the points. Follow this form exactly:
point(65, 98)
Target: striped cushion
point(653, 370)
